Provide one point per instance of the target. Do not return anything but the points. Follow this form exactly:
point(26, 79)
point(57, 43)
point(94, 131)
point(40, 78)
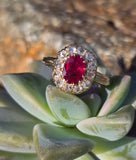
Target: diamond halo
point(87, 78)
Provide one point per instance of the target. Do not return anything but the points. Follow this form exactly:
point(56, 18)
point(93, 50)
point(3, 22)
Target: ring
point(75, 69)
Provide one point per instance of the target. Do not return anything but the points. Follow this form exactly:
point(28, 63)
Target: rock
point(33, 29)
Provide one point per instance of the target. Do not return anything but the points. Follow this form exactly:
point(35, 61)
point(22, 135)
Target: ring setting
point(75, 69)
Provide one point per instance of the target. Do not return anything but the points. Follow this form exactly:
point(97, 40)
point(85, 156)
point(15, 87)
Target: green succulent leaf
point(11, 111)
point(17, 156)
point(131, 97)
point(41, 69)
point(94, 103)
point(112, 127)
point(16, 137)
point(15, 126)
point(59, 143)
point(119, 89)
point(88, 156)
point(85, 157)
point(124, 149)
point(5, 99)
point(67, 108)
point(28, 90)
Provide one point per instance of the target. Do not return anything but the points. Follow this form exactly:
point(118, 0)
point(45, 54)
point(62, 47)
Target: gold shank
point(49, 61)
point(99, 78)
point(102, 79)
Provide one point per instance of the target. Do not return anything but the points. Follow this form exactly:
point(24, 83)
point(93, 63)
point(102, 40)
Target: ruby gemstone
point(74, 69)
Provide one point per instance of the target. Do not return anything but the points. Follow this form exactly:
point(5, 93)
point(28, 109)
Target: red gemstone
point(74, 69)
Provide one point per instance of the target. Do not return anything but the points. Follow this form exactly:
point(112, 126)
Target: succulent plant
point(39, 121)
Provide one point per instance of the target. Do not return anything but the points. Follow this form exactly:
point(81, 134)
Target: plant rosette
point(39, 121)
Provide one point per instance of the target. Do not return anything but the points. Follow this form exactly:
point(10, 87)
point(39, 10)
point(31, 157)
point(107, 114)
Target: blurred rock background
point(32, 29)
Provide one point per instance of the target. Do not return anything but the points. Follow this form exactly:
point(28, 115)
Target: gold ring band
point(75, 69)
point(99, 78)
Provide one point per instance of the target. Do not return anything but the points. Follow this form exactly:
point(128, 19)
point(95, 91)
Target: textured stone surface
point(31, 29)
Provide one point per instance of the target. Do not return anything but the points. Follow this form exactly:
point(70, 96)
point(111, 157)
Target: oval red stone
point(74, 69)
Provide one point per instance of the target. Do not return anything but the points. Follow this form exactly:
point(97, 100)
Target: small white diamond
point(68, 87)
point(88, 83)
point(78, 89)
point(59, 64)
point(90, 57)
point(90, 74)
point(59, 82)
point(80, 50)
point(84, 85)
point(62, 55)
point(72, 49)
point(55, 75)
point(91, 66)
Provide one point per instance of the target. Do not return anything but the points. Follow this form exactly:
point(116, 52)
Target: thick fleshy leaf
point(67, 108)
point(60, 143)
point(28, 90)
point(11, 111)
point(16, 137)
point(94, 103)
point(6, 100)
point(85, 157)
point(17, 156)
point(40, 68)
point(99, 90)
point(16, 126)
point(131, 97)
point(112, 127)
point(88, 156)
point(119, 91)
point(124, 149)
